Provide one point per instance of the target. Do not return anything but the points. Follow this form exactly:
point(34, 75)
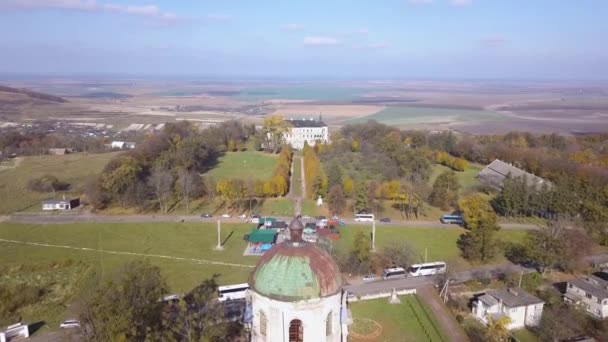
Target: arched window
point(328, 324)
point(296, 331)
point(262, 324)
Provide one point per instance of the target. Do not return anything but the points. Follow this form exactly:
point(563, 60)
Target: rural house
point(123, 145)
point(495, 173)
point(306, 130)
point(520, 306)
point(55, 204)
point(58, 151)
point(591, 293)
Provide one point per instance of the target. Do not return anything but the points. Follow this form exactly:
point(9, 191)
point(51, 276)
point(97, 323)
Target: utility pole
point(373, 235)
point(521, 275)
point(219, 246)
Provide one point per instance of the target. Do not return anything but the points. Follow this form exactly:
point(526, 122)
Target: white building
point(306, 130)
point(591, 293)
point(524, 309)
point(123, 145)
point(56, 204)
point(296, 294)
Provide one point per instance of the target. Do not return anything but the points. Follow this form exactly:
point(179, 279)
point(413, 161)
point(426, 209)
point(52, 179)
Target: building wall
point(520, 316)
point(313, 314)
point(591, 305)
point(298, 135)
point(534, 314)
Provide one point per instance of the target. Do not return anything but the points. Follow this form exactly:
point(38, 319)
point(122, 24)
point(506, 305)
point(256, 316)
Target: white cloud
point(217, 17)
point(293, 27)
point(321, 41)
point(461, 3)
point(420, 2)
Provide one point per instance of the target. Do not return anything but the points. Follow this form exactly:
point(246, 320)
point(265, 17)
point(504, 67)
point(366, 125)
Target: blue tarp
point(265, 247)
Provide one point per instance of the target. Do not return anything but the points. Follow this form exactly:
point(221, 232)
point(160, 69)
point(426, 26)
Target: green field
point(402, 116)
point(312, 92)
point(276, 206)
point(408, 321)
point(248, 164)
point(75, 169)
point(467, 179)
point(440, 243)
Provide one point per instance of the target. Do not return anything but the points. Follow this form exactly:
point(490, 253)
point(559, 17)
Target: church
point(296, 293)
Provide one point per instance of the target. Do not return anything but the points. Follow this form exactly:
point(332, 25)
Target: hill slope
point(11, 94)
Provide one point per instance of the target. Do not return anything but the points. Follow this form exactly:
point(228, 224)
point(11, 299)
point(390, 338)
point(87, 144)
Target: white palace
point(306, 130)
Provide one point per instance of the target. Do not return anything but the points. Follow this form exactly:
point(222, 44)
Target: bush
point(47, 183)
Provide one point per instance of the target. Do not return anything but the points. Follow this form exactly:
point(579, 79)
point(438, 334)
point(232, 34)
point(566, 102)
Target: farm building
point(55, 204)
point(306, 130)
point(524, 309)
point(495, 173)
point(590, 293)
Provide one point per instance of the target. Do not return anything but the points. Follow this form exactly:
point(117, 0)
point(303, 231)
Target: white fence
point(383, 294)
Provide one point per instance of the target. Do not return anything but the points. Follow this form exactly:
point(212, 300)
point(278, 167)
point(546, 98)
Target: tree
point(336, 200)
point(161, 181)
point(398, 254)
point(497, 329)
point(126, 308)
point(190, 185)
point(361, 203)
point(334, 175)
point(348, 186)
point(445, 190)
point(47, 183)
point(231, 145)
point(119, 176)
point(274, 131)
point(478, 243)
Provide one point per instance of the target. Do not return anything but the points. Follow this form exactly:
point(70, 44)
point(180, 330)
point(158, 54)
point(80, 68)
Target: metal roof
point(262, 236)
point(497, 171)
point(488, 300)
point(515, 297)
point(302, 123)
point(593, 285)
point(296, 271)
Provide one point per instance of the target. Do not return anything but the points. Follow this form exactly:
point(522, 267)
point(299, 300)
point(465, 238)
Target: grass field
point(440, 243)
point(408, 321)
point(467, 179)
point(75, 169)
point(244, 165)
point(276, 206)
point(401, 116)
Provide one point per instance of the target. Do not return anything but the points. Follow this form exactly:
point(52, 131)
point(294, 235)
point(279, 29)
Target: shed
point(55, 204)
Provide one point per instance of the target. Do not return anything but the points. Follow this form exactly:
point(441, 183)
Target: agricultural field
point(75, 169)
point(376, 320)
point(406, 116)
point(247, 164)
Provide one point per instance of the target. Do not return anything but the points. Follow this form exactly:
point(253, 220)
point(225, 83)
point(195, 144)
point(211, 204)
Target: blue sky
point(530, 39)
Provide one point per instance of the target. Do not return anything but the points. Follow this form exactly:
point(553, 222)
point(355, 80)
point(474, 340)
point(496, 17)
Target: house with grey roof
point(523, 309)
point(495, 173)
point(590, 293)
point(306, 131)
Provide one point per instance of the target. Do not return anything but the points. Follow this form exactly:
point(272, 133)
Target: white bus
point(393, 273)
point(364, 218)
point(231, 292)
point(431, 268)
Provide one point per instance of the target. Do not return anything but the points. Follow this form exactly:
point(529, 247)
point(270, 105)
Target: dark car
point(385, 220)
point(206, 216)
point(321, 217)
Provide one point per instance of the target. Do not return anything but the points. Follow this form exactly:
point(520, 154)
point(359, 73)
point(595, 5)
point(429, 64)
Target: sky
point(363, 39)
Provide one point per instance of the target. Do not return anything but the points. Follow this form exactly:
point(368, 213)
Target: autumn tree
point(190, 185)
point(161, 181)
point(336, 200)
point(348, 186)
point(497, 330)
point(274, 130)
point(478, 243)
point(126, 308)
point(445, 190)
point(334, 175)
point(361, 198)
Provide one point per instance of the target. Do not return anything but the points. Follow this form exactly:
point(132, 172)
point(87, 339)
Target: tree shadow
point(35, 327)
point(227, 238)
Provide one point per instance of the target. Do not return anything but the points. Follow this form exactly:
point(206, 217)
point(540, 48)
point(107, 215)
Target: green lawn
point(244, 165)
point(184, 240)
point(276, 206)
point(75, 169)
point(467, 179)
point(408, 321)
point(525, 335)
point(403, 116)
point(309, 207)
point(440, 243)
point(296, 177)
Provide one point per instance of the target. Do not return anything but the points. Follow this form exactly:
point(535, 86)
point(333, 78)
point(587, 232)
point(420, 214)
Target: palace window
point(296, 331)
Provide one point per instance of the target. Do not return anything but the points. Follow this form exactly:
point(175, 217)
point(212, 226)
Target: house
point(524, 309)
point(15, 332)
point(55, 204)
point(495, 173)
point(306, 131)
point(591, 293)
point(58, 151)
point(123, 145)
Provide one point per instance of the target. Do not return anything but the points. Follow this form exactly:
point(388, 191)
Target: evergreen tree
point(334, 176)
point(361, 203)
point(445, 190)
point(336, 200)
point(479, 242)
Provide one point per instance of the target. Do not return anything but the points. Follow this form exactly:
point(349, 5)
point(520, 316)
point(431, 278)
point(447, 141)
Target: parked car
point(321, 218)
point(335, 217)
point(305, 217)
point(242, 216)
point(226, 216)
point(255, 220)
point(70, 324)
point(341, 223)
point(385, 220)
point(206, 216)
point(255, 216)
point(369, 277)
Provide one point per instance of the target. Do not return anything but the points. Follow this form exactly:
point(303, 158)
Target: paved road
point(62, 218)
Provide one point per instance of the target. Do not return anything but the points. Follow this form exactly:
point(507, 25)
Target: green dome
point(296, 271)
